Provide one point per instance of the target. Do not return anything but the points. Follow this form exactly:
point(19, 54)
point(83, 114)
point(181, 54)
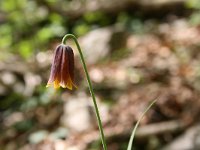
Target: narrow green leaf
point(137, 124)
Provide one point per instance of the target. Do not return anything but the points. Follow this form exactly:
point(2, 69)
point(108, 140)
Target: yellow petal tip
point(48, 85)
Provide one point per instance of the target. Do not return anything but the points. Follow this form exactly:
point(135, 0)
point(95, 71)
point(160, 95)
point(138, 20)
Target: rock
point(160, 2)
point(77, 116)
point(98, 43)
point(31, 81)
point(190, 140)
point(14, 118)
point(60, 145)
point(38, 136)
point(77, 9)
point(8, 78)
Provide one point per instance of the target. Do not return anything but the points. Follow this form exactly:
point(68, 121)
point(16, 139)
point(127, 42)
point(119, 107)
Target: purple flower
point(62, 69)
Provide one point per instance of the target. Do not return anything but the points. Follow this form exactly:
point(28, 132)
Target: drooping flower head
point(62, 69)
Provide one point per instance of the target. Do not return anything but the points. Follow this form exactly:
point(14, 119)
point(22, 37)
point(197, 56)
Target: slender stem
point(67, 36)
point(137, 124)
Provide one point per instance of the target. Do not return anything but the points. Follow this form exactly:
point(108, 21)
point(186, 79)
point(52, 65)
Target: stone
point(77, 116)
point(98, 43)
point(188, 141)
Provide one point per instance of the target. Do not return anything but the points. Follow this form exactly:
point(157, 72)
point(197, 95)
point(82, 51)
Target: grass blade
point(137, 124)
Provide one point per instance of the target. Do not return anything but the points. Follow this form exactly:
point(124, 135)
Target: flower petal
point(62, 69)
point(71, 62)
point(56, 84)
point(55, 68)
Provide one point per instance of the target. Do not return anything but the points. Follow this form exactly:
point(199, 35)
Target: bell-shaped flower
point(62, 69)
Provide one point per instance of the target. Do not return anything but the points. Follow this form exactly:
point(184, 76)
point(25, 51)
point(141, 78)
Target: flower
point(62, 69)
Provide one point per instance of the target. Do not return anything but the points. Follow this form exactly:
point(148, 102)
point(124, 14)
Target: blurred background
point(136, 52)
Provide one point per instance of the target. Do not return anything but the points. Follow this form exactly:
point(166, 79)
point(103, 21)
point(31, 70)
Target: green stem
point(67, 36)
point(137, 124)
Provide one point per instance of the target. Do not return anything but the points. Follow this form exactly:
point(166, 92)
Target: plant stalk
point(67, 36)
point(137, 124)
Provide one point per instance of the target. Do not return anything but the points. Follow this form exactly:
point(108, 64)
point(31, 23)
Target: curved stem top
point(67, 36)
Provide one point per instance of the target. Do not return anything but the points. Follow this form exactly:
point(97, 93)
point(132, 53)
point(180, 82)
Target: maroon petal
point(55, 68)
point(71, 62)
point(65, 68)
